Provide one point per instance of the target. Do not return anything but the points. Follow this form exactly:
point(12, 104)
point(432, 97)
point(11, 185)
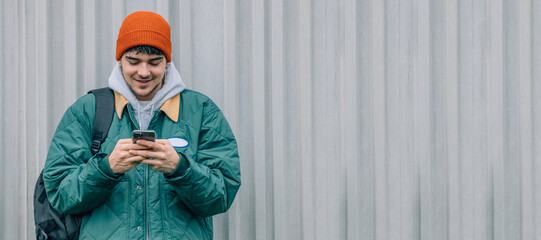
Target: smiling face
point(144, 73)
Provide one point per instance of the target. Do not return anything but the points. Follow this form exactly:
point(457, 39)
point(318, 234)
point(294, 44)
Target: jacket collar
point(170, 107)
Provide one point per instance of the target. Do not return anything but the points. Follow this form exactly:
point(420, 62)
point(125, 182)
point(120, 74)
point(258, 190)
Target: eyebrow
point(138, 59)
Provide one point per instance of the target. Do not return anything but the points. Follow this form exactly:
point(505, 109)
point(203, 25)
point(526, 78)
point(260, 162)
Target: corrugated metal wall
point(366, 119)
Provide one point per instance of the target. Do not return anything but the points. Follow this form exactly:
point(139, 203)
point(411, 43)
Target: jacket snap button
point(139, 228)
point(139, 188)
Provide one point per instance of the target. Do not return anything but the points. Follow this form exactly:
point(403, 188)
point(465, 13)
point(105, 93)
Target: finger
point(152, 162)
point(137, 153)
point(139, 147)
point(148, 144)
point(133, 160)
point(143, 153)
point(125, 140)
point(165, 146)
point(126, 144)
point(147, 154)
point(120, 144)
point(163, 142)
point(159, 146)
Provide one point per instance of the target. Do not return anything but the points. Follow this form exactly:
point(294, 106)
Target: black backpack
point(51, 224)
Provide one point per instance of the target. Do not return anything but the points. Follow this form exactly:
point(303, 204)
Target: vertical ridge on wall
point(466, 136)
point(306, 125)
point(349, 127)
point(452, 109)
point(512, 157)
point(11, 121)
point(36, 136)
point(79, 78)
point(494, 128)
point(69, 53)
point(536, 113)
point(41, 82)
point(246, 84)
point(88, 59)
point(438, 170)
point(322, 142)
point(525, 120)
point(185, 44)
point(365, 74)
point(22, 166)
point(334, 187)
point(259, 119)
point(269, 171)
point(3, 154)
point(55, 72)
point(378, 110)
point(230, 225)
point(493, 93)
point(108, 21)
point(278, 117)
point(4, 205)
point(292, 61)
point(423, 127)
point(399, 122)
point(30, 94)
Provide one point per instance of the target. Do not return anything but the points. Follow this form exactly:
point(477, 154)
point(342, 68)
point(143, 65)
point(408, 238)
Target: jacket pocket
point(108, 219)
point(103, 223)
point(176, 213)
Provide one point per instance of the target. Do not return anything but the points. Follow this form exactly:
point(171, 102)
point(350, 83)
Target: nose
point(143, 71)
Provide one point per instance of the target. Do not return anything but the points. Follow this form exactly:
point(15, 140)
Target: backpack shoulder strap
point(105, 104)
point(51, 224)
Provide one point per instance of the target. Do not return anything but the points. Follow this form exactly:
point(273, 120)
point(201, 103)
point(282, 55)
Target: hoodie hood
point(173, 85)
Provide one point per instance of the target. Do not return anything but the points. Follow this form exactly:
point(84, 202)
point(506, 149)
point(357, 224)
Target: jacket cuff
point(103, 165)
point(181, 168)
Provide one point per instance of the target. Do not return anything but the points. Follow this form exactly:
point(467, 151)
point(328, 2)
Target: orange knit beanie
point(144, 28)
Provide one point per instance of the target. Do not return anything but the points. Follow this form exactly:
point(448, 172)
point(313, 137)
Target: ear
point(120, 59)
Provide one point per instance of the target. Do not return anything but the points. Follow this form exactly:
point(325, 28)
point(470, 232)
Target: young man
point(167, 189)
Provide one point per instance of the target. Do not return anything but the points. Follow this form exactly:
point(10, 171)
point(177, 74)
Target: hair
point(145, 49)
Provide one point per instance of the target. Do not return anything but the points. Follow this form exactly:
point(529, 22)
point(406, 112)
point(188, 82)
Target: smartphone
point(148, 135)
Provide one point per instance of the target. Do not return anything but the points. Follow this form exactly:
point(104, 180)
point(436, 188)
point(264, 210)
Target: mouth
point(144, 82)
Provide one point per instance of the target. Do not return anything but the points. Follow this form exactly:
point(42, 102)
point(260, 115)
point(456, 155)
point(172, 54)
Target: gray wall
point(366, 119)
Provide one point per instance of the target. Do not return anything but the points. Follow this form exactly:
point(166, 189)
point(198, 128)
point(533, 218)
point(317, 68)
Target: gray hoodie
point(173, 85)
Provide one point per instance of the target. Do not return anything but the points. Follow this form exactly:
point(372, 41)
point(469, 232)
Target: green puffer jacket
point(144, 203)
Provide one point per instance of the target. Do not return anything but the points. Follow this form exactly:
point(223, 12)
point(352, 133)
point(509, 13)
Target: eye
point(133, 62)
point(155, 63)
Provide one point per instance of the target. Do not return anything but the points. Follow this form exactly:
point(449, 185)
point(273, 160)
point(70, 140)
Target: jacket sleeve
point(208, 184)
point(72, 176)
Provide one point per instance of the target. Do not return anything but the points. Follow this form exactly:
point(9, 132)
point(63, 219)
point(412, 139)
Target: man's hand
point(160, 155)
point(121, 160)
